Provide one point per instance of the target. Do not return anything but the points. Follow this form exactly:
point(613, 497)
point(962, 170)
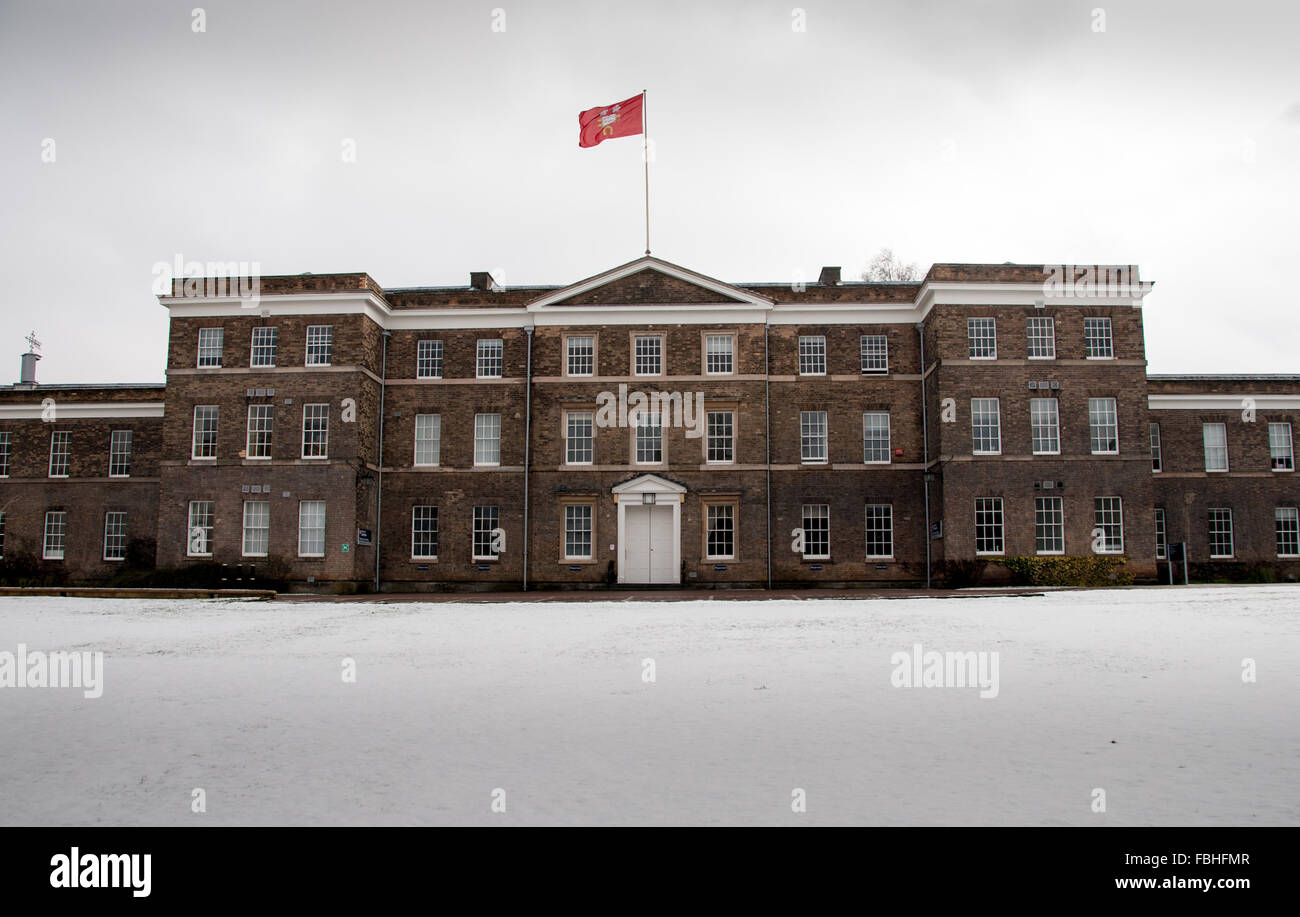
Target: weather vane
point(32, 342)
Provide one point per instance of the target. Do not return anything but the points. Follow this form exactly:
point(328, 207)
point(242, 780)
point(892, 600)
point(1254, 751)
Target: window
point(1215, 438)
point(719, 354)
point(320, 345)
point(60, 450)
point(2, 534)
point(579, 437)
point(487, 439)
point(486, 521)
point(1279, 447)
point(720, 429)
point(816, 531)
point(988, 525)
point(1286, 521)
point(56, 528)
point(875, 353)
point(428, 359)
point(491, 359)
point(311, 528)
point(115, 536)
point(315, 430)
point(812, 437)
point(649, 438)
point(1157, 463)
point(1044, 426)
point(1097, 344)
point(986, 426)
point(198, 537)
point(1108, 522)
point(428, 439)
point(875, 438)
point(119, 454)
point(261, 424)
point(581, 356)
point(1162, 535)
point(720, 531)
point(205, 432)
point(880, 530)
point(1103, 426)
point(5, 446)
point(1220, 533)
point(812, 356)
point(647, 355)
point(210, 341)
point(982, 338)
point(577, 531)
point(1041, 332)
point(424, 532)
point(265, 341)
point(1049, 525)
point(257, 527)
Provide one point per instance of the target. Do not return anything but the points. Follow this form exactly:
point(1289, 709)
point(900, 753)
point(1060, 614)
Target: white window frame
point(60, 453)
point(1098, 338)
point(207, 348)
point(260, 423)
point(214, 412)
point(871, 439)
point(1046, 341)
point(579, 427)
point(574, 512)
point(712, 515)
point(873, 348)
point(729, 353)
point(1049, 525)
point(256, 525)
point(1225, 513)
point(1219, 428)
point(987, 508)
point(307, 526)
point(1103, 417)
point(319, 345)
point(54, 542)
point(648, 438)
point(1044, 426)
point(982, 338)
point(1281, 448)
point(6, 447)
point(814, 438)
point(1292, 535)
point(487, 440)
point(871, 524)
point(580, 350)
point(816, 512)
point(492, 516)
point(115, 535)
point(119, 453)
point(267, 348)
point(430, 519)
point(812, 354)
point(1162, 534)
point(489, 355)
point(720, 438)
point(1102, 510)
point(1157, 455)
point(320, 428)
point(430, 425)
point(199, 518)
point(428, 358)
point(980, 408)
point(650, 356)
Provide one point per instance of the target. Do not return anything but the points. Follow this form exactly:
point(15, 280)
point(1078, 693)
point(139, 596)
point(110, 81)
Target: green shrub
point(1087, 570)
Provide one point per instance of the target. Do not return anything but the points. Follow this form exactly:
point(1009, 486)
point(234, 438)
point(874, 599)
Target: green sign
point(345, 548)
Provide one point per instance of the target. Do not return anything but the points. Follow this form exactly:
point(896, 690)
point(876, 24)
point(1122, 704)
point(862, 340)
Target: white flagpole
point(645, 155)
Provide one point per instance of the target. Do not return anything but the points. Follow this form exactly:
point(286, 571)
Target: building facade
point(651, 425)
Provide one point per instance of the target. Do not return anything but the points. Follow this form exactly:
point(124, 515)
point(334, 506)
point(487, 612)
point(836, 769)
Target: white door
point(648, 553)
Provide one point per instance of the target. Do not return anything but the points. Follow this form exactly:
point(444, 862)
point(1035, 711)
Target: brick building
point(654, 425)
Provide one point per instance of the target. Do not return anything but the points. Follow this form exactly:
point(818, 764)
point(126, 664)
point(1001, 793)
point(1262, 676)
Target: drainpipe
point(528, 423)
point(767, 444)
point(379, 477)
point(925, 453)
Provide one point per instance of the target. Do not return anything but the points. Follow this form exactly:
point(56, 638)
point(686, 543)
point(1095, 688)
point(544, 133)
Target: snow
point(1137, 692)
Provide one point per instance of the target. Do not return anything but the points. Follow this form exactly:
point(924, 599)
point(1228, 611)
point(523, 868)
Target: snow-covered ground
point(1135, 692)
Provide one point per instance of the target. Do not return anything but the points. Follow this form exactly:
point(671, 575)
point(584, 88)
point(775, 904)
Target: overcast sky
point(948, 131)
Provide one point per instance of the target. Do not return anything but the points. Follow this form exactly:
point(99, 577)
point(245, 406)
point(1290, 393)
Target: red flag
point(622, 119)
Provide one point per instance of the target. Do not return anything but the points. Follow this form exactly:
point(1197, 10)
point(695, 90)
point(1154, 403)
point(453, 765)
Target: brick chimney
point(830, 276)
point(481, 280)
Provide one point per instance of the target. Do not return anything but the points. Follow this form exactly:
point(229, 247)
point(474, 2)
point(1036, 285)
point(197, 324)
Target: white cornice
point(1263, 402)
point(72, 410)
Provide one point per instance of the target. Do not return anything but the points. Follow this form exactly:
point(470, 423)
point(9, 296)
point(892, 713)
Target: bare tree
point(885, 266)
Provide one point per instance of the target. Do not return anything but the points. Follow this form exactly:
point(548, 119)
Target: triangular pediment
point(648, 484)
point(648, 281)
